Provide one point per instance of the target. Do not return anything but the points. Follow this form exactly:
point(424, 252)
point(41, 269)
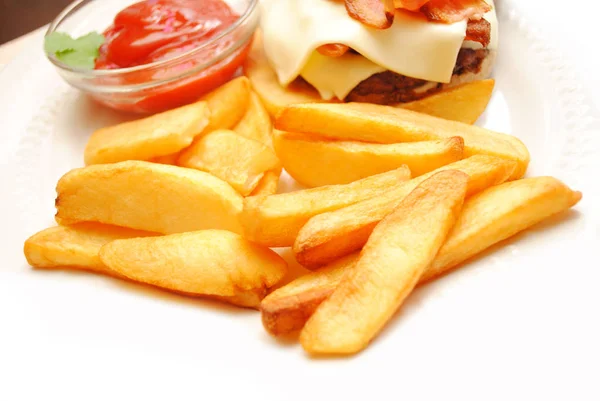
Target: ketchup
point(153, 30)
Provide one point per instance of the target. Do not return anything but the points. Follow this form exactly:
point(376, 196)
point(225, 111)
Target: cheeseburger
point(375, 51)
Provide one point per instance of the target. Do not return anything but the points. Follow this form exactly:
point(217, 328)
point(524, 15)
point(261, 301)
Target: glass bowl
point(165, 84)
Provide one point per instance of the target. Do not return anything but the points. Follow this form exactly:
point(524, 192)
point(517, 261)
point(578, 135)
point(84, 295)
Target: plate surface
point(521, 322)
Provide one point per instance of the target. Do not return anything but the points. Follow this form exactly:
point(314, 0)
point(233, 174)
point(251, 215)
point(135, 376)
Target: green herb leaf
point(58, 42)
point(80, 52)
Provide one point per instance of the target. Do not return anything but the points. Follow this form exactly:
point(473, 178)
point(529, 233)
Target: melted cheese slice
point(294, 29)
point(337, 76)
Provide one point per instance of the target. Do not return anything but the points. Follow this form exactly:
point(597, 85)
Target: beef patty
point(389, 87)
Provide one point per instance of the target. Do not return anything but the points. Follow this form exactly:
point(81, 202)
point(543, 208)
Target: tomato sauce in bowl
point(156, 30)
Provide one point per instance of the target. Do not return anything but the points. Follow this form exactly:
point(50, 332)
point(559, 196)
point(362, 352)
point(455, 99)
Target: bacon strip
point(410, 5)
point(373, 13)
point(479, 31)
point(450, 11)
point(333, 50)
point(379, 14)
point(390, 8)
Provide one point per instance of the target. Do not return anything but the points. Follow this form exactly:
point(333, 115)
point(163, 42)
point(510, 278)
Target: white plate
point(519, 323)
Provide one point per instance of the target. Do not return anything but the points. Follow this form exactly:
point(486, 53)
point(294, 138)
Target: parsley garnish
point(80, 53)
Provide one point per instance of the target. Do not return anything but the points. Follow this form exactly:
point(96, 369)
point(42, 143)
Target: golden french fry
point(287, 309)
point(275, 220)
point(168, 159)
point(499, 213)
point(240, 161)
point(329, 236)
point(388, 269)
point(256, 123)
point(385, 124)
point(486, 219)
point(147, 138)
point(264, 82)
point(228, 104)
point(463, 103)
point(148, 196)
point(75, 247)
point(268, 185)
point(315, 162)
point(213, 263)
